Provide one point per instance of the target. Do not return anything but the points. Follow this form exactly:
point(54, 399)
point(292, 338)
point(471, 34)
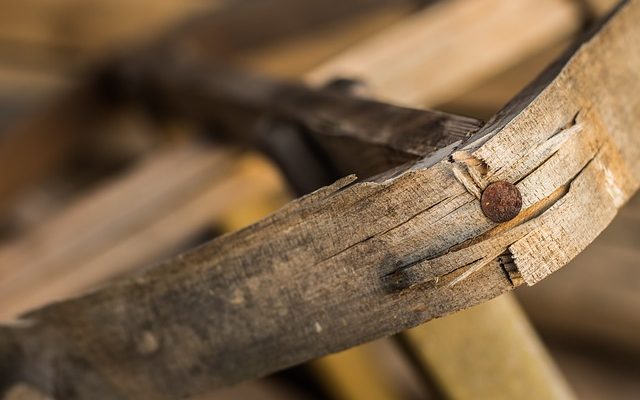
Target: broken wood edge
point(365, 259)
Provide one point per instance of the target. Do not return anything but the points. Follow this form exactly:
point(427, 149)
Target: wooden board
point(471, 41)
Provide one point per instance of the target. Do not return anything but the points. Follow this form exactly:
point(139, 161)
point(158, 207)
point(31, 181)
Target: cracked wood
point(320, 275)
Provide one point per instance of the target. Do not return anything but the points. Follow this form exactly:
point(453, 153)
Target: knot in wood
point(501, 201)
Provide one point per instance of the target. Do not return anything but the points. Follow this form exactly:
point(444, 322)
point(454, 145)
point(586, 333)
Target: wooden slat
point(128, 223)
point(471, 41)
point(90, 25)
point(487, 352)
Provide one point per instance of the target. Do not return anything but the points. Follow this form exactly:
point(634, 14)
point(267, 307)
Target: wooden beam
point(471, 41)
point(234, 101)
point(127, 223)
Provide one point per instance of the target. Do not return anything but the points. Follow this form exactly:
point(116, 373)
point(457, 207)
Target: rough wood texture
point(362, 259)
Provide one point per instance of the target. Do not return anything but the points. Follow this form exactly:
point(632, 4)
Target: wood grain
point(364, 258)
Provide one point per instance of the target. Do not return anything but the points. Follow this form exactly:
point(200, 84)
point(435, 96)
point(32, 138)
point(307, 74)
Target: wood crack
point(421, 271)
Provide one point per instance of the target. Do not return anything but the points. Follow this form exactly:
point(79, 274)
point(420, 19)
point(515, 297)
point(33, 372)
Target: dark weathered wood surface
point(362, 259)
point(362, 136)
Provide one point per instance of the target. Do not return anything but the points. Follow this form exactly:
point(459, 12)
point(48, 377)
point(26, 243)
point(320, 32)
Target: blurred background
point(93, 187)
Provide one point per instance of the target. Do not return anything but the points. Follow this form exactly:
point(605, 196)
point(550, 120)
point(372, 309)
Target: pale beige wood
point(355, 374)
point(444, 50)
point(295, 56)
point(489, 351)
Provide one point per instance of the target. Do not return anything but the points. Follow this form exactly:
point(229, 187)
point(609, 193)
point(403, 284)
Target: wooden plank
point(168, 197)
point(89, 25)
point(383, 135)
point(495, 34)
point(494, 337)
point(329, 270)
point(40, 34)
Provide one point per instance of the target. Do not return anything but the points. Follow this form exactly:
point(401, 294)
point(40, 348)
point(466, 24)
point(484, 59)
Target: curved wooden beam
point(362, 259)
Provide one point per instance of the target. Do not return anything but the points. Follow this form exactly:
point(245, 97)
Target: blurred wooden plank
point(488, 96)
point(355, 374)
point(65, 34)
point(487, 352)
point(471, 41)
point(296, 55)
point(128, 223)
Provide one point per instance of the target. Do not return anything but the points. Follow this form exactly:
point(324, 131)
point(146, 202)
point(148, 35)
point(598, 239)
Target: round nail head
point(501, 201)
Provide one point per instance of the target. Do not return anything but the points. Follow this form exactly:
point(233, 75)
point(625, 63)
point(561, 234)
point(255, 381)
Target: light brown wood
point(451, 46)
point(89, 25)
point(411, 243)
point(489, 351)
point(128, 223)
point(329, 270)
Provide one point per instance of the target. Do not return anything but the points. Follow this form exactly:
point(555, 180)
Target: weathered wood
point(232, 101)
point(363, 259)
point(60, 35)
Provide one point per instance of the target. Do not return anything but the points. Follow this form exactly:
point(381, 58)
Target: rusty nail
point(501, 201)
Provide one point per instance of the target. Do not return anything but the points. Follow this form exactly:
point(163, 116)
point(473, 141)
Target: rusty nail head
point(501, 201)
